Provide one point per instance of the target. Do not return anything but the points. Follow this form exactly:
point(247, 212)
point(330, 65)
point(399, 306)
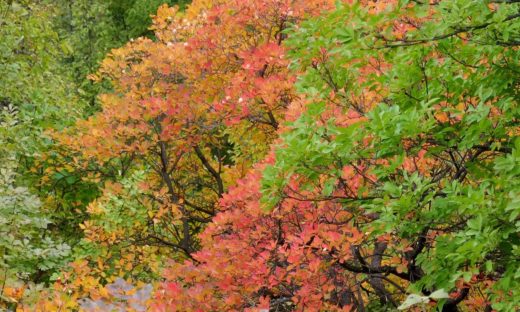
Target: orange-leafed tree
point(190, 113)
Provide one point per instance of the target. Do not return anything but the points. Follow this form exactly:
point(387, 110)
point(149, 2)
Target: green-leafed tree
point(35, 94)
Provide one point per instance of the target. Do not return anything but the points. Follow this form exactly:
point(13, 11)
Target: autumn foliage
point(189, 115)
point(291, 155)
point(352, 211)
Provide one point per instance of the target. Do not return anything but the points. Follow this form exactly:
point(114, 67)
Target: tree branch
point(211, 170)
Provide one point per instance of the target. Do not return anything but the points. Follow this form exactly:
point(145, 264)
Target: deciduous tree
point(189, 115)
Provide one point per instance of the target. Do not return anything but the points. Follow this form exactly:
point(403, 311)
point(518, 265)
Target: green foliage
point(32, 78)
point(465, 68)
point(28, 250)
point(35, 95)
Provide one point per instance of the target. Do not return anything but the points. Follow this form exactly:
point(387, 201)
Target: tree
point(189, 114)
point(396, 175)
